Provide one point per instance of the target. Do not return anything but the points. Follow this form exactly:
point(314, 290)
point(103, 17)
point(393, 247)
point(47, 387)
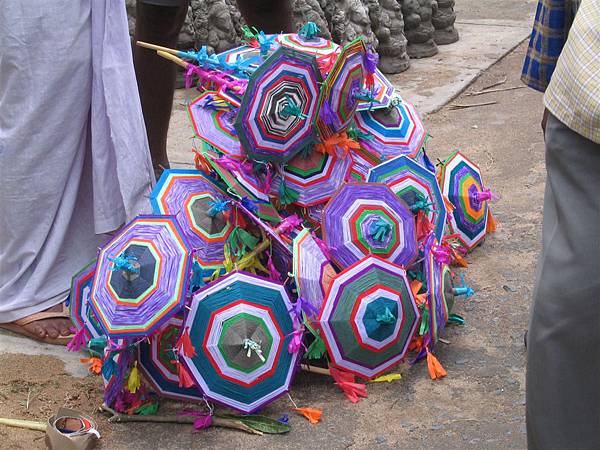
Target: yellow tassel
point(491, 222)
point(133, 383)
point(387, 378)
point(436, 370)
point(227, 263)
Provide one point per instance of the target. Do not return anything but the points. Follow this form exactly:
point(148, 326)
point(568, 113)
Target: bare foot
point(52, 328)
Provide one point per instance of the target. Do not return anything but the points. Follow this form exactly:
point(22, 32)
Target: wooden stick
point(317, 370)
point(175, 59)
point(487, 91)
point(216, 421)
point(472, 105)
point(27, 424)
point(497, 83)
point(157, 47)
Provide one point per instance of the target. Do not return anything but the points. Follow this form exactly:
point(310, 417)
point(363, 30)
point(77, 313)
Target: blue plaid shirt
point(553, 19)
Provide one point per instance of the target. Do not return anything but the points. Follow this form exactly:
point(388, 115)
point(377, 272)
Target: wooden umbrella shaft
point(157, 47)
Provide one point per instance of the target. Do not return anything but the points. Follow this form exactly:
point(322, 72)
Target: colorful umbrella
point(338, 100)
point(199, 206)
point(382, 93)
point(315, 178)
point(241, 327)
point(460, 180)
point(367, 218)
point(439, 293)
point(214, 124)
point(389, 132)
point(157, 361)
point(314, 45)
point(276, 115)
point(416, 185)
point(312, 270)
point(81, 312)
point(142, 277)
point(369, 317)
point(248, 57)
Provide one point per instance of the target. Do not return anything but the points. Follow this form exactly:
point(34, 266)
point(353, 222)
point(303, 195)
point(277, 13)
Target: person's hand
point(544, 120)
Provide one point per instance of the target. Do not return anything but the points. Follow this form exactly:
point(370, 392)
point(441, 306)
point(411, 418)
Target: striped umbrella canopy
point(440, 294)
point(142, 277)
point(214, 124)
point(362, 161)
point(338, 100)
point(316, 177)
point(156, 357)
point(389, 132)
point(416, 185)
point(314, 214)
point(369, 317)
point(241, 326)
point(198, 205)
point(245, 56)
point(368, 219)
point(275, 118)
point(383, 92)
point(314, 45)
point(460, 180)
point(80, 310)
point(312, 270)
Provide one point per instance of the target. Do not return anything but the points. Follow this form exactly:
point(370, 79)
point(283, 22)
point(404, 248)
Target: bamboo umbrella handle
point(175, 59)
point(28, 424)
point(156, 47)
point(314, 369)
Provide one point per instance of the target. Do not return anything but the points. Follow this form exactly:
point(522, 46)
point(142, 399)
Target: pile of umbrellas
point(314, 232)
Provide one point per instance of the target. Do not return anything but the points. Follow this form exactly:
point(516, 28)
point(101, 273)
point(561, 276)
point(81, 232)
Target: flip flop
point(18, 326)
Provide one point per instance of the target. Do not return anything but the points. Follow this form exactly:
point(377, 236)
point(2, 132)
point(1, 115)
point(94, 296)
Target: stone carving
point(443, 21)
point(388, 25)
point(213, 25)
point(418, 28)
point(348, 19)
point(310, 11)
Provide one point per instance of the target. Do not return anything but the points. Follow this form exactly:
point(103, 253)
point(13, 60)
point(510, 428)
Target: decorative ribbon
point(463, 289)
point(292, 109)
point(485, 195)
point(387, 317)
point(217, 206)
point(309, 31)
point(124, 262)
point(380, 230)
point(251, 346)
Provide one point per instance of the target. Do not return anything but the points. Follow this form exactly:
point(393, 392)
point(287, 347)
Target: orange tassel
point(415, 287)
point(436, 370)
point(312, 414)
point(458, 258)
point(201, 163)
point(424, 225)
point(491, 222)
point(416, 344)
point(185, 380)
point(95, 364)
point(337, 142)
point(185, 344)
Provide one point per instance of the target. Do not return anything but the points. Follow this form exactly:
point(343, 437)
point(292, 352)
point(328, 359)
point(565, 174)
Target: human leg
point(564, 333)
point(270, 16)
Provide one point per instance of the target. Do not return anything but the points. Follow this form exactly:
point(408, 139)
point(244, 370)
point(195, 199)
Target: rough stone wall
point(310, 11)
point(388, 25)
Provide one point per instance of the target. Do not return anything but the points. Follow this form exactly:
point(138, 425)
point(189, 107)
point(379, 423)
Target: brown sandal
point(18, 326)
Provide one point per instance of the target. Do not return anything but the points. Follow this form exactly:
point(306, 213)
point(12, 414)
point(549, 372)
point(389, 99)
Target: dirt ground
point(480, 404)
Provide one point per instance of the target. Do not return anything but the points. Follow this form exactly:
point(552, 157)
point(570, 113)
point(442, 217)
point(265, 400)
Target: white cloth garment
point(74, 159)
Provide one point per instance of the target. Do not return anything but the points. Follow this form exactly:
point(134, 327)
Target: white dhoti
point(74, 159)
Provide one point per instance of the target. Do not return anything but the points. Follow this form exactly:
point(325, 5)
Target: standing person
point(159, 22)
point(563, 351)
point(74, 160)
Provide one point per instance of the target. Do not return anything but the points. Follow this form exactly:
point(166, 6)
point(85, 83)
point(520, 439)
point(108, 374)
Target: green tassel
point(316, 350)
point(424, 321)
point(287, 195)
point(456, 319)
point(149, 409)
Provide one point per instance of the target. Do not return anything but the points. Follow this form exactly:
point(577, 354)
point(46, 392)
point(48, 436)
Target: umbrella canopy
point(81, 312)
point(461, 183)
point(314, 45)
point(157, 357)
point(214, 124)
point(312, 269)
point(275, 118)
point(416, 185)
point(389, 132)
point(245, 55)
point(241, 327)
point(439, 293)
point(383, 92)
point(190, 196)
point(369, 317)
point(338, 100)
point(142, 277)
point(315, 178)
point(368, 219)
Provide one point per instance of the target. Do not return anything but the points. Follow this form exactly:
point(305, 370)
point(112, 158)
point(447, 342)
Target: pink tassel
point(296, 342)
point(289, 223)
point(274, 273)
point(323, 247)
point(79, 340)
point(348, 385)
point(228, 163)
